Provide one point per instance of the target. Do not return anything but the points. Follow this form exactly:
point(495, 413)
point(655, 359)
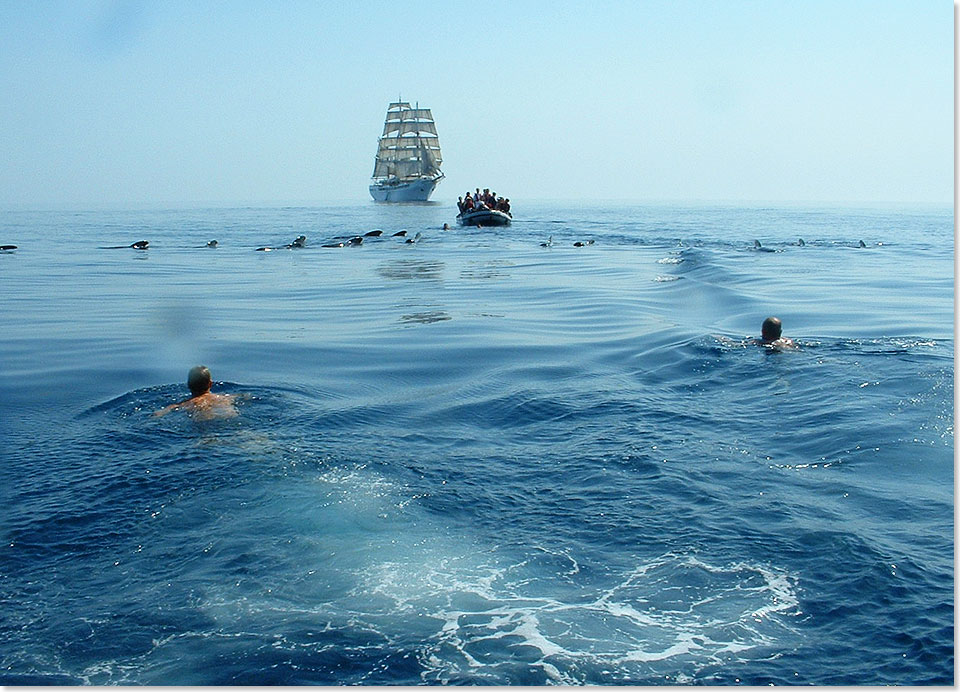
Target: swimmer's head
point(772, 329)
point(199, 380)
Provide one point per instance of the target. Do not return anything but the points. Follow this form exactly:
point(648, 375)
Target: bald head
point(771, 329)
point(199, 380)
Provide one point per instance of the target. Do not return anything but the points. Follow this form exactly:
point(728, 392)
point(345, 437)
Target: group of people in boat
point(482, 200)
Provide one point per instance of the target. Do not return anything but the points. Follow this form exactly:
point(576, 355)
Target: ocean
point(473, 459)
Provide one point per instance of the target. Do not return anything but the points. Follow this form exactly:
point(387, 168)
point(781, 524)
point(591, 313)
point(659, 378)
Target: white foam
point(484, 611)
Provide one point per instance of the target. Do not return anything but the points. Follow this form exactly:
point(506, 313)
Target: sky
point(122, 103)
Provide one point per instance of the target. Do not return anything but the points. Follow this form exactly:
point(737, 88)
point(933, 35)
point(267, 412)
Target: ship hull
point(409, 191)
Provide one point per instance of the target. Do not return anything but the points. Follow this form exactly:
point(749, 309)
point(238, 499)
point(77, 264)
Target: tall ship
point(407, 168)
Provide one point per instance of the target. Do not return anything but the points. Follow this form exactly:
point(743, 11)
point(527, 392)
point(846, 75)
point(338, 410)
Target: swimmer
point(212, 243)
point(771, 335)
point(446, 227)
point(204, 404)
point(584, 243)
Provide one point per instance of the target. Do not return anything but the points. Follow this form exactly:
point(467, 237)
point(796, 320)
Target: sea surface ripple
point(474, 459)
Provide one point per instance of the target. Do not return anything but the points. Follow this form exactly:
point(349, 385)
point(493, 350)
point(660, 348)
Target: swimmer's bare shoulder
point(781, 344)
point(207, 405)
point(211, 405)
point(784, 344)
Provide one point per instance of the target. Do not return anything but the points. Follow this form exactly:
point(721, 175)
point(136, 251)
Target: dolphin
point(373, 234)
point(212, 243)
point(139, 245)
point(414, 239)
point(298, 242)
point(584, 243)
point(759, 248)
point(548, 243)
point(862, 244)
point(353, 242)
point(399, 234)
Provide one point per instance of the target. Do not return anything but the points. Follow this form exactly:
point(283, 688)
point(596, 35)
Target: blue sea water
point(473, 459)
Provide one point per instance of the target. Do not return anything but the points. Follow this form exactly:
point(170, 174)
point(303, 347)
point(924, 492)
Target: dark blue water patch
point(874, 587)
point(517, 409)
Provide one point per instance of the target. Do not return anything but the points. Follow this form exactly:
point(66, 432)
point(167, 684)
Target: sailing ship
point(407, 167)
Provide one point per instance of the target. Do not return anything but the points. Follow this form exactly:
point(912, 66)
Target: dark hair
point(199, 380)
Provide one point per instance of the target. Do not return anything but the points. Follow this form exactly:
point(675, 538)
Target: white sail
point(401, 144)
point(417, 114)
point(409, 147)
point(403, 111)
point(382, 169)
point(404, 126)
point(429, 162)
point(406, 143)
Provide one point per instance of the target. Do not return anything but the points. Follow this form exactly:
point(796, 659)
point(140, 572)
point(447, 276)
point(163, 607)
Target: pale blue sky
point(121, 103)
